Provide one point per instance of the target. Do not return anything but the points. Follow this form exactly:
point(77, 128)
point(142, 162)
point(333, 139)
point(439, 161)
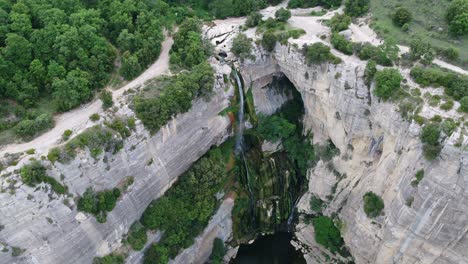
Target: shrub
point(464, 104)
point(340, 43)
point(316, 204)
point(28, 128)
point(137, 236)
point(274, 128)
point(430, 134)
point(242, 46)
point(448, 126)
point(110, 259)
point(66, 134)
point(106, 98)
point(457, 17)
point(419, 175)
point(421, 49)
point(35, 173)
point(94, 117)
point(447, 105)
point(451, 53)
point(98, 203)
point(355, 8)
point(430, 138)
point(30, 151)
point(319, 53)
point(253, 20)
point(218, 252)
point(282, 14)
point(327, 234)
point(269, 40)
point(373, 204)
point(401, 16)
point(387, 83)
point(369, 72)
point(368, 51)
point(339, 22)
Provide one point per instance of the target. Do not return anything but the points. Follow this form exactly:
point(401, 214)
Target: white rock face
point(380, 152)
point(51, 232)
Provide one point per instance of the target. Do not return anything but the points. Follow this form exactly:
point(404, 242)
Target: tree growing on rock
point(242, 46)
point(355, 8)
point(373, 204)
point(269, 40)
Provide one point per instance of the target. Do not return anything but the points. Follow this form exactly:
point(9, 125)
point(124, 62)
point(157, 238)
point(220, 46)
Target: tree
point(106, 98)
point(218, 252)
point(421, 49)
point(387, 83)
point(355, 8)
point(18, 50)
point(253, 20)
point(457, 17)
point(401, 16)
point(339, 22)
point(373, 204)
point(370, 71)
point(326, 233)
point(242, 46)
point(269, 40)
point(282, 14)
point(318, 53)
point(340, 43)
point(275, 128)
point(464, 104)
point(130, 66)
point(430, 134)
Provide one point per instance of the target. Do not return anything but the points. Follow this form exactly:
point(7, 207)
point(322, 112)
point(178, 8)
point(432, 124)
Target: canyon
point(380, 151)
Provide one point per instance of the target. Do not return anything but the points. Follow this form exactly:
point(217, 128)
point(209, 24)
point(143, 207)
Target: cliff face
point(51, 232)
point(380, 152)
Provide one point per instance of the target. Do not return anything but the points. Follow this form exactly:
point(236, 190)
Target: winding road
point(77, 120)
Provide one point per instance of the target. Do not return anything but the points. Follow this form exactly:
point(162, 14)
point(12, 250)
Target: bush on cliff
point(373, 204)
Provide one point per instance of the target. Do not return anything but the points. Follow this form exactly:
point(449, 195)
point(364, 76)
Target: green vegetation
point(373, 204)
point(187, 50)
point(339, 22)
point(97, 139)
point(106, 98)
point(319, 53)
point(279, 127)
point(314, 3)
point(428, 20)
point(136, 236)
point(242, 46)
point(401, 16)
point(253, 20)
point(28, 128)
point(175, 97)
point(464, 104)
point(98, 203)
point(430, 138)
point(61, 53)
point(419, 176)
point(282, 14)
point(35, 173)
point(383, 55)
point(369, 72)
point(340, 43)
point(457, 17)
point(184, 210)
point(269, 40)
point(218, 252)
point(110, 259)
point(66, 134)
point(317, 204)
point(327, 234)
point(421, 50)
point(94, 117)
point(355, 8)
point(455, 85)
point(387, 83)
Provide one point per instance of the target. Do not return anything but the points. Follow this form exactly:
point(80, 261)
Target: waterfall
point(240, 127)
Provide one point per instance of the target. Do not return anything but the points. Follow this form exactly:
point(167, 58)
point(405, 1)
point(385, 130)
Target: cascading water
point(240, 126)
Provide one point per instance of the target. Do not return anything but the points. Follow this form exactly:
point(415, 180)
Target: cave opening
point(271, 176)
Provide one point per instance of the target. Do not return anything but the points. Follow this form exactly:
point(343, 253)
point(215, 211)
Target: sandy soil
point(77, 120)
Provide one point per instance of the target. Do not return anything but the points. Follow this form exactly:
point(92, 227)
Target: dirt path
point(77, 120)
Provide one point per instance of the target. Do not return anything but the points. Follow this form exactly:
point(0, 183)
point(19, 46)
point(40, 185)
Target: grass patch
point(428, 18)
